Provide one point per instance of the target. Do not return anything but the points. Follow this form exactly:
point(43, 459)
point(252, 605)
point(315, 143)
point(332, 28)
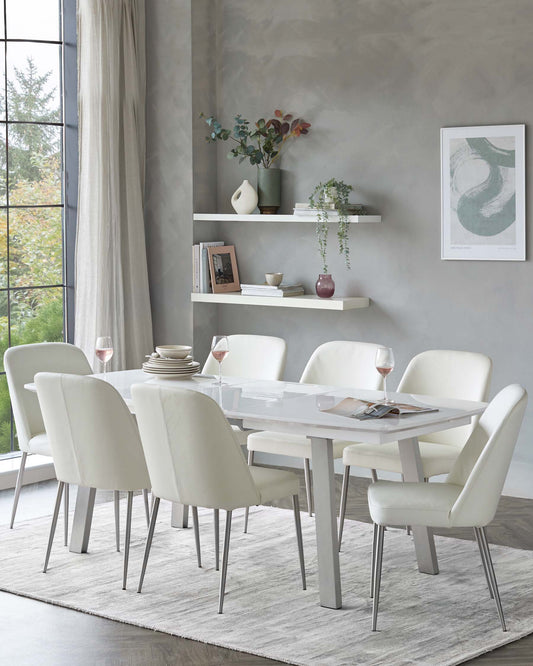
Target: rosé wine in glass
point(219, 350)
point(385, 365)
point(104, 350)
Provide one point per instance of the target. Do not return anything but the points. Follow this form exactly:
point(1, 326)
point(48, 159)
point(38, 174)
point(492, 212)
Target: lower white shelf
point(309, 302)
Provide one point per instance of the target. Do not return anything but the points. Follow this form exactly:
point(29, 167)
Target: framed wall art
point(223, 269)
point(483, 193)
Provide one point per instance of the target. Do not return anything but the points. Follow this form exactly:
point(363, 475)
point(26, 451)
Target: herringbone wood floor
point(37, 633)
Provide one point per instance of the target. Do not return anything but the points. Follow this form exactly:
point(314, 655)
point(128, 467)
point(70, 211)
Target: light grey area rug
point(444, 619)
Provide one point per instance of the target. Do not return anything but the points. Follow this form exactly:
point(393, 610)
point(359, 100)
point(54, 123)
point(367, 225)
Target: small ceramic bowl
point(173, 351)
point(273, 279)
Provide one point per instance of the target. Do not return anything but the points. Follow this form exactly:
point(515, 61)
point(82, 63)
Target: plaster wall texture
point(377, 79)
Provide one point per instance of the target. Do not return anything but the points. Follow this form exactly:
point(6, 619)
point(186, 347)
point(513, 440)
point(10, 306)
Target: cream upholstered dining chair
point(469, 497)
point(446, 373)
point(94, 439)
point(194, 458)
point(345, 363)
point(21, 364)
point(252, 357)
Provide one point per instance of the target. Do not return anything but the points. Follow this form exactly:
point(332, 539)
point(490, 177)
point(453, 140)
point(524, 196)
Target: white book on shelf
point(196, 268)
point(204, 282)
point(275, 294)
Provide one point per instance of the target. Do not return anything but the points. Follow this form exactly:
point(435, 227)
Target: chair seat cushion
point(395, 503)
point(40, 444)
point(287, 444)
point(274, 484)
point(436, 458)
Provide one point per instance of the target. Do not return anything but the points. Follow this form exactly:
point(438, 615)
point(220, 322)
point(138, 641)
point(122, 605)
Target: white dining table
point(298, 408)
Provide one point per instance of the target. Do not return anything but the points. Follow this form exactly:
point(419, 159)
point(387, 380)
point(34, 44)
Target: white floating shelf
point(231, 217)
point(310, 302)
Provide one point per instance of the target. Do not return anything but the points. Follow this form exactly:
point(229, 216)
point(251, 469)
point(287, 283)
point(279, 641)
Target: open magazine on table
point(367, 409)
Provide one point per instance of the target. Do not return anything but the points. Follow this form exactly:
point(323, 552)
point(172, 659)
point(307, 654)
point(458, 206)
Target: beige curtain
point(112, 296)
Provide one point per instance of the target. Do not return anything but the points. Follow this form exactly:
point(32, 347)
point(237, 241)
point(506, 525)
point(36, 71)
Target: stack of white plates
point(172, 367)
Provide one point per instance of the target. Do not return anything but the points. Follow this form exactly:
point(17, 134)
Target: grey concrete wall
point(377, 79)
point(169, 173)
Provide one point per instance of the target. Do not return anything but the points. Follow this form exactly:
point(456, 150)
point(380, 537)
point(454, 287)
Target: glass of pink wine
point(219, 350)
point(385, 365)
point(104, 350)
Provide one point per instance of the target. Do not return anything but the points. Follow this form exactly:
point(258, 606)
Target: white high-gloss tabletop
point(287, 406)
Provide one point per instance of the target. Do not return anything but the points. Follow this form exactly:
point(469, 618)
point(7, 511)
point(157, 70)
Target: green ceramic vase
point(269, 190)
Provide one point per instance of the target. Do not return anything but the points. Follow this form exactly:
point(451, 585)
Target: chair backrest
point(21, 364)
point(450, 374)
point(191, 452)
point(251, 356)
point(344, 363)
point(482, 465)
point(93, 436)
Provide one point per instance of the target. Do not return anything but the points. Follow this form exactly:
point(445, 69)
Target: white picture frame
point(483, 211)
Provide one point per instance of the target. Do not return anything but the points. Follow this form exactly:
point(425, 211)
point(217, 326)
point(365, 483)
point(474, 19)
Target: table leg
point(412, 470)
point(326, 523)
point(83, 516)
point(180, 515)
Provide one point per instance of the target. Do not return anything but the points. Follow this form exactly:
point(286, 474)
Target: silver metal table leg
point(83, 516)
point(180, 515)
point(326, 523)
point(412, 470)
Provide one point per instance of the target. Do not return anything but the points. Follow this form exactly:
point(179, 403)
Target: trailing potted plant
point(331, 197)
point(261, 144)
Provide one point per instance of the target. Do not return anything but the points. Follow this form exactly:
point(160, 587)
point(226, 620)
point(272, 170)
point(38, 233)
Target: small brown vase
point(325, 287)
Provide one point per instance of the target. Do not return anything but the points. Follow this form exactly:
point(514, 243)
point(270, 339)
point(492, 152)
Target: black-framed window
point(38, 179)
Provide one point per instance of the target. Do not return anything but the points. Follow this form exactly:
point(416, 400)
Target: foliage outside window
point(32, 284)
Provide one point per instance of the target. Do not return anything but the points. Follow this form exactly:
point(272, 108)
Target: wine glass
point(104, 350)
point(385, 365)
point(220, 349)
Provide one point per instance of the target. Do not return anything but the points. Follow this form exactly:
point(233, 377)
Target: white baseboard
point(38, 468)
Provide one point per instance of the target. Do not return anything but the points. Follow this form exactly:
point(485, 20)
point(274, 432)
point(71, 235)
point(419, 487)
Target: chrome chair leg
point(492, 575)
point(197, 534)
point(377, 575)
point(116, 498)
point(225, 553)
point(149, 539)
point(66, 507)
point(308, 490)
point(373, 564)
point(57, 506)
point(247, 510)
point(217, 539)
point(298, 524)
point(374, 475)
point(344, 497)
point(483, 561)
point(18, 487)
point(146, 506)
point(127, 539)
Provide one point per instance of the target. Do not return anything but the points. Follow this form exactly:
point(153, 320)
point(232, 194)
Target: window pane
point(3, 248)
point(3, 165)
point(34, 164)
point(35, 247)
point(5, 417)
point(36, 316)
point(33, 82)
point(33, 19)
point(4, 327)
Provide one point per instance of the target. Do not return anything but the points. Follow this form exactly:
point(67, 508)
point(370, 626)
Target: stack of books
point(306, 209)
point(266, 290)
point(201, 282)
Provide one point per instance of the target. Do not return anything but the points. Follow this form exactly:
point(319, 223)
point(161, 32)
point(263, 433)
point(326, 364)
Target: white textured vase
point(244, 199)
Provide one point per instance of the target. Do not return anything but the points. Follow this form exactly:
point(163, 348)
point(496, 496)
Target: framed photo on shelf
point(483, 214)
point(223, 269)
